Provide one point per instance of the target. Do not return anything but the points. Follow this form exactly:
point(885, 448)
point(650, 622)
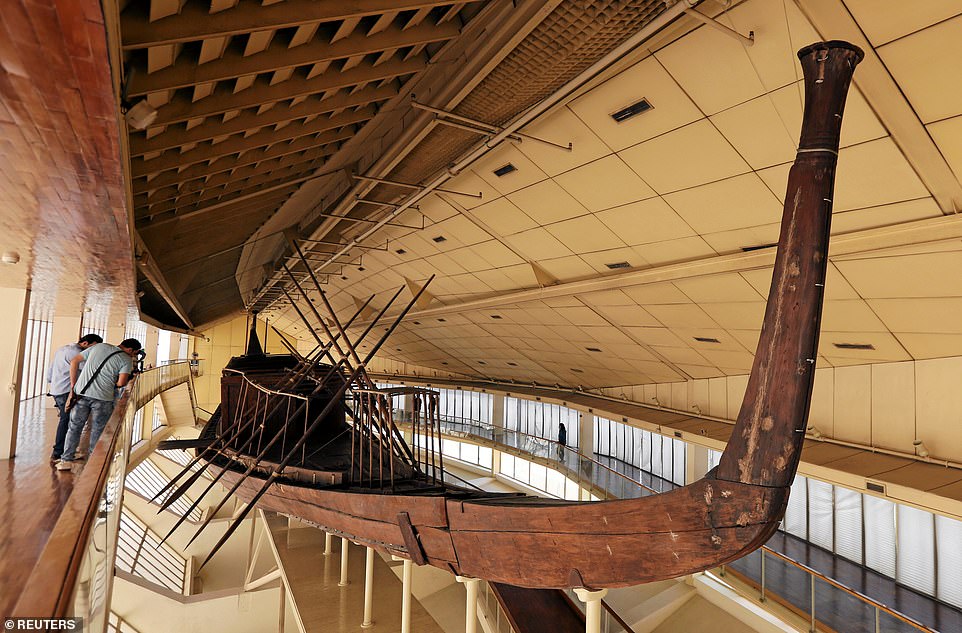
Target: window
point(137, 428)
point(37, 352)
point(542, 419)
point(139, 552)
point(657, 455)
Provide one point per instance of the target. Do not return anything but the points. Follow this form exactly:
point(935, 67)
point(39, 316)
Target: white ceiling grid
point(701, 175)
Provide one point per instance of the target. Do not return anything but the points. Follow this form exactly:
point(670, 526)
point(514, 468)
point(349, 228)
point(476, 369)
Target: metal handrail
point(49, 590)
point(764, 548)
point(538, 437)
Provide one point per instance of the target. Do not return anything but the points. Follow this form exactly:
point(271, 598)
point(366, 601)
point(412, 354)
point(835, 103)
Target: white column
point(150, 346)
point(471, 603)
point(406, 577)
point(592, 600)
point(14, 306)
point(497, 411)
point(586, 432)
point(344, 548)
point(368, 590)
point(328, 541)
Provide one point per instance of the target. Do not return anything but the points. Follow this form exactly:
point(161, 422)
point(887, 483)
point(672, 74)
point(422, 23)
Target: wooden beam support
point(194, 22)
point(233, 64)
point(225, 100)
point(251, 120)
point(327, 131)
point(272, 157)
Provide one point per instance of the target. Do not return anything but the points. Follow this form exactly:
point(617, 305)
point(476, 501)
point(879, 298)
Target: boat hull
point(557, 545)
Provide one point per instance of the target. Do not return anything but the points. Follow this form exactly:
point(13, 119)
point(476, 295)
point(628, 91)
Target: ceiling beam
point(275, 156)
point(328, 130)
point(177, 136)
point(194, 22)
point(229, 189)
point(224, 99)
point(278, 56)
point(276, 168)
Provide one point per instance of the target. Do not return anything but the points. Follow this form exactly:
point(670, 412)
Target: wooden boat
point(318, 441)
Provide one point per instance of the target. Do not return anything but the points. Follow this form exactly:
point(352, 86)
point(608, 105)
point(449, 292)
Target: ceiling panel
point(605, 183)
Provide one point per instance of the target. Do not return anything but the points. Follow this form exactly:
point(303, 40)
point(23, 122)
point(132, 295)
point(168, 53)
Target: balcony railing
point(74, 574)
point(605, 483)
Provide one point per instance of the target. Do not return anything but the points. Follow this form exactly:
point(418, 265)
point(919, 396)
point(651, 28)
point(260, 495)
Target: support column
point(497, 412)
point(471, 603)
point(406, 576)
point(328, 542)
point(150, 343)
point(586, 432)
point(592, 600)
point(368, 590)
point(344, 547)
point(14, 307)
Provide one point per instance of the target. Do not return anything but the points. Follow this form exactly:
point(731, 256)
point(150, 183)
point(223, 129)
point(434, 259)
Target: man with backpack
point(58, 375)
point(105, 367)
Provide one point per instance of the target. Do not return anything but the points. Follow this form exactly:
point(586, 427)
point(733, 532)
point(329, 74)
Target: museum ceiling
point(639, 254)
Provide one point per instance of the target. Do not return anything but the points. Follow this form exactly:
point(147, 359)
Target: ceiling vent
point(618, 265)
point(400, 251)
point(706, 339)
point(442, 320)
point(439, 239)
point(577, 371)
point(416, 322)
point(592, 349)
point(496, 316)
point(874, 487)
point(510, 364)
point(633, 110)
point(504, 170)
point(481, 362)
point(854, 345)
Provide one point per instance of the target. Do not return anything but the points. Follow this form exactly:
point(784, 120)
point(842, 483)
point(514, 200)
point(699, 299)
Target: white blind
point(916, 554)
point(848, 524)
point(678, 476)
point(795, 521)
point(879, 535)
point(821, 526)
point(949, 545)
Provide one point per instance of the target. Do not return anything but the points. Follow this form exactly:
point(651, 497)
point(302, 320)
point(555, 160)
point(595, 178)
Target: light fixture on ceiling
point(439, 239)
point(920, 449)
point(617, 265)
point(593, 349)
point(706, 339)
point(400, 251)
point(504, 170)
point(814, 432)
point(10, 257)
point(634, 109)
point(864, 346)
point(141, 115)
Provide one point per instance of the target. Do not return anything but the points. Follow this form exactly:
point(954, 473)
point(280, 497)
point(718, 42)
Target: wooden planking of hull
point(554, 544)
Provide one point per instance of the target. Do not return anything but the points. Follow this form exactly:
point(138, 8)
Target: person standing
point(58, 376)
point(93, 389)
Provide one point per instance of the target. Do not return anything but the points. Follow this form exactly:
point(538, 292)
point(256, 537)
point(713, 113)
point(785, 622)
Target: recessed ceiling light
point(618, 265)
point(706, 339)
point(441, 320)
point(344, 278)
point(496, 316)
point(444, 362)
point(592, 349)
point(510, 364)
point(854, 345)
point(481, 362)
point(416, 322)
point(439, 239)
point(400, 251)
point(505, 170)
point(577, 371)
point(634, 109)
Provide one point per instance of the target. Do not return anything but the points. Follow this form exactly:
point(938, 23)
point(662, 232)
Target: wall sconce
point(814, 432)
point(656, 401)
point(920, 448)
point(696, 409)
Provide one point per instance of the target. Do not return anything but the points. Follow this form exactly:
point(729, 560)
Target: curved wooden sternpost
point(766, 443)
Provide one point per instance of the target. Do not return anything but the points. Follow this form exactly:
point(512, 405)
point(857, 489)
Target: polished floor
point(32, 494)
point(325, 607)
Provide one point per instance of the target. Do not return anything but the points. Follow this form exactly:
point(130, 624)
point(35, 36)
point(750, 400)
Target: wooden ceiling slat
point(418, 17)
point(383, 22)
point(249, 120)
point(223, 99)
point(249, 164)
point(195, 23)
point(346, 28)
point(263, 200)
point(232, 186)
point(237, 143)
point(279, 57)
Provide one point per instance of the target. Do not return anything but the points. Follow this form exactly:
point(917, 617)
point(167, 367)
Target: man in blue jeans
point(58, 375)
point(105, 367)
